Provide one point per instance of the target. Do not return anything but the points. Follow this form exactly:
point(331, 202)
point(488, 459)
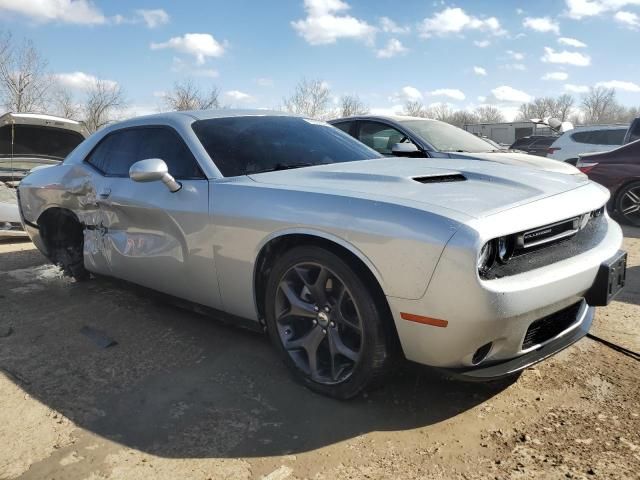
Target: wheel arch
point(278, 243)
point(52, 222)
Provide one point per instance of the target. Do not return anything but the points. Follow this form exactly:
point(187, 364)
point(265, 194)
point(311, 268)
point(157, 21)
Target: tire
point(628, 200)
point(348, 341)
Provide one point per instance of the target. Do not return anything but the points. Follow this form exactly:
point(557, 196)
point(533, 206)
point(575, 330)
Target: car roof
point(42, 120)
point(392, 118)
point(598, 127)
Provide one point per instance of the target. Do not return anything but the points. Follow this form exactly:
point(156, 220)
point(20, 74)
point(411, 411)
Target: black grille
point(548, 327)
point(454, 177)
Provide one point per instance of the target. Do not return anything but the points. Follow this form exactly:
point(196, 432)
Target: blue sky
point(465, 53)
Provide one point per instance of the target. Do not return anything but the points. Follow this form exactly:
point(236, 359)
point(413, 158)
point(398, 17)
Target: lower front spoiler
point(508, 367)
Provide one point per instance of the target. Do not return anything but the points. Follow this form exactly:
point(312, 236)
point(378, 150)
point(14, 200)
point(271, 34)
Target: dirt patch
point(183, 396)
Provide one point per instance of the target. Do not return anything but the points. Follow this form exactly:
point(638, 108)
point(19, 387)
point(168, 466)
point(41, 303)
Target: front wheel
point(326, 322)
point(628, 204)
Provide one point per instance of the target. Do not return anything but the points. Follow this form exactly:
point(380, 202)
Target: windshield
point(447, 138)
point(246, 145)
point(34, 140)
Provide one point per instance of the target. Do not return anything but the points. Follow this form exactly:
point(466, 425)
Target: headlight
point(505, 249)
point(486, 257)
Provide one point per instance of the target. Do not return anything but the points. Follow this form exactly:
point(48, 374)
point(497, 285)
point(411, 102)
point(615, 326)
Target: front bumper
point(495, 370)
point(472, 313)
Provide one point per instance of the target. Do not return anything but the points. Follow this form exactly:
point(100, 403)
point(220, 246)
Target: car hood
point(472, 188)
point(523, 159)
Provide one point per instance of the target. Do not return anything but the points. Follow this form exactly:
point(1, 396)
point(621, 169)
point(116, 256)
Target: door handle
point(105, 193)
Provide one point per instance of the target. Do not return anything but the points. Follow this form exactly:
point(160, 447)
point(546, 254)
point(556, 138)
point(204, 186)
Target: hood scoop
point(450, 177)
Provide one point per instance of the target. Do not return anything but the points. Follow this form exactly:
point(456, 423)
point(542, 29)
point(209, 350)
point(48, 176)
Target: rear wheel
point(64, 238)
point(628, 204)
point(326, 322)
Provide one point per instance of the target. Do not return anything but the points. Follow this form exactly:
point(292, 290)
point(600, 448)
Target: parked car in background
point(619, 171)
point(586, 139)
point(28, 141)
point(344, 256)
point(633, 133)
point(404, 136)
point(534, 144)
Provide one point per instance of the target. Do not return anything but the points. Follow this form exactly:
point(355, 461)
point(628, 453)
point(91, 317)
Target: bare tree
point(105, 100)
point(64, 104)
point(188, 96)
point(600, 105)
point(310, 98)
point(489, 114)
point(462, 118)
point(542, 107)
point(23, 80)
point(564, 107)
point(352, 105)
point(415, 109)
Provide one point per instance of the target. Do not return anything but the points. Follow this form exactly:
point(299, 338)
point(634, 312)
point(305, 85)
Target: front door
point(149, 235)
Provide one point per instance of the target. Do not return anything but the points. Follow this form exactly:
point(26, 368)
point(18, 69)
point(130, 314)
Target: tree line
point(27, 86)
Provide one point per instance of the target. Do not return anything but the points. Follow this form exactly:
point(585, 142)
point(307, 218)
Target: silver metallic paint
point(420, 241)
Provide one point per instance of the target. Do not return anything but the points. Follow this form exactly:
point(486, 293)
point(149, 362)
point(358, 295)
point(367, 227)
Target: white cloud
point(394, 47)
point(564, 57)
point(515, 55)
point(555, 76)
point(200, 45)
point(79, 80)
point(408, 94)
point(154, 18)
point(453, 93)
point(506, 93)
point(180, 66)
point(541, 24)
point(264, 82)
point(324, 24)
point(628, 19)
point(64, 11)
point(456, 20)
point(578, 9)
point(389, 26)
point(393, 110)
point(238, 96)
point(569, 87)
point(515, 66)
point(480, 71)
point(620, 85)
point(481, 43)
point(482, 98)
point(572, 42)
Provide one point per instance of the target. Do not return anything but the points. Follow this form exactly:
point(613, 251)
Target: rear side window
point(344, 126)
point(600, 137)
point(634, 131)
point(115, 154)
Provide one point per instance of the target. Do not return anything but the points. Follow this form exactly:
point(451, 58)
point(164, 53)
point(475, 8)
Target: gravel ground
point(184, 396)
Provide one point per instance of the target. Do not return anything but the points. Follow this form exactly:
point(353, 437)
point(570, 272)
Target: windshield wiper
point(284, 166)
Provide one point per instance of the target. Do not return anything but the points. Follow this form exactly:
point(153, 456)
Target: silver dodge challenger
point(347, 259)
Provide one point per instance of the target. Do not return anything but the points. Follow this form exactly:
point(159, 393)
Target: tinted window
point(37, 140)
point(115, 154)
point(447, 138)
point(344, 126)
point(380, 137)
point(600, 137)
point(522, 142)
point(634, 131)
point(244, 145)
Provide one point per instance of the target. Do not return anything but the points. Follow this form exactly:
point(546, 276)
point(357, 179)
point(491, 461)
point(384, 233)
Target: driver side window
point(380, 137)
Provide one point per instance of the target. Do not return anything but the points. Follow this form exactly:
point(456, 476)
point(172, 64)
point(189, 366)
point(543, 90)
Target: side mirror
point(152, 170)
point(404, 150)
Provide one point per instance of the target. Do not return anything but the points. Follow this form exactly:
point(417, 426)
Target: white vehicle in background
point(28, 141)
point(586, 139)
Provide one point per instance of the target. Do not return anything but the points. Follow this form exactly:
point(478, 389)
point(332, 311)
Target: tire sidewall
point(618, 203)
point(373, 346)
